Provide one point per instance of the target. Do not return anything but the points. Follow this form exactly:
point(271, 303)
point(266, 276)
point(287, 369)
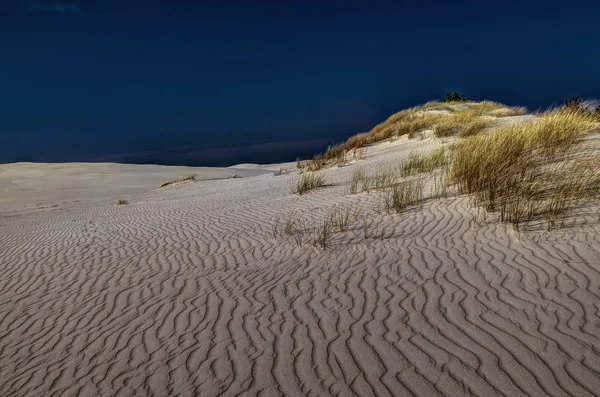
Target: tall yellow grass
point(523, 169)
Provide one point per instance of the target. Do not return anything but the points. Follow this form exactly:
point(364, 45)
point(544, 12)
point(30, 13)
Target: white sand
point(27, 186)
point(186, 292)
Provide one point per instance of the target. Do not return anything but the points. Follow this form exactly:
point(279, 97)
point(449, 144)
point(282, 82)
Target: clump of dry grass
point(511, 168)
point(323, 232)
point(384, 178)
point(550, 193)
point(185, 179)
point(417, 163)
point(309, 181)
point(343, 216)
point(468, 122)
point(474, 128)
point(316, 163)
point(301, 165)
point(447, 128)
point(418, 123)
point(319, 231)
point(293, 226)
point(405, 194)
point(337, 153)
point(358, 141)
point(358, 175)
point(122, 202)
point(439, 186)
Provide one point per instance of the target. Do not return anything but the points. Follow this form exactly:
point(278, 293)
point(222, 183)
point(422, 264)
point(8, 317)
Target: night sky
point(224, 82)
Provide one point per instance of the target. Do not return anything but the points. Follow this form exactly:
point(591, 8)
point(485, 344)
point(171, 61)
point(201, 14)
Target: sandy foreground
point(190, 291)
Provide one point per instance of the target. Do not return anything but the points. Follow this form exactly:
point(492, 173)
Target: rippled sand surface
point(186, 291)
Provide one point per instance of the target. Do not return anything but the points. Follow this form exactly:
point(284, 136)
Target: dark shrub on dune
point(455, 96)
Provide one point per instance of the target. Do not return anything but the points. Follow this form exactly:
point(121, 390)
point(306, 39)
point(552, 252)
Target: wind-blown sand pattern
point(186, 292)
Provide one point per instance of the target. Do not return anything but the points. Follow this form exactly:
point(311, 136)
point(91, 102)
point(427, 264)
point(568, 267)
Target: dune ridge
point(187, 292)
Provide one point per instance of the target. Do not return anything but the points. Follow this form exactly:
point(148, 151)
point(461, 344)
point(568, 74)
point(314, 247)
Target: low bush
point(454, 96)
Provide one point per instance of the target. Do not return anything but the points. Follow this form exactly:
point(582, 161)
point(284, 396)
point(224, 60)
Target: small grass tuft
point(358, 175)
point(122, 202)
point(322, 234)
point(309, 181)
point(343, 216)
point(405, 194)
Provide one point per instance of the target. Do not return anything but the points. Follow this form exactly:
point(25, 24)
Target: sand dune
point(27, 186)
point(187, 292)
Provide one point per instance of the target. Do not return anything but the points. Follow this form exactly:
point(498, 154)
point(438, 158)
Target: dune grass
point(417, 124)
point(343, 216)
point(445, 119)
point(335, 154)
point(358, 175)
point(405, 194)
point(474, 128)
point(358, 141)
point(447, 128)
point(122, 202)
point(418, 163)
point(522, 169)
point(406, 122)
point(468, 122)
point(309, 181)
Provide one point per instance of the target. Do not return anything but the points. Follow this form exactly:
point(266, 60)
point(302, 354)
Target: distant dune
point(34, 185)
point(387, 280)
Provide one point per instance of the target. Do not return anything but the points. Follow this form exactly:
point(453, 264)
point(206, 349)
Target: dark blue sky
point(218, 83)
